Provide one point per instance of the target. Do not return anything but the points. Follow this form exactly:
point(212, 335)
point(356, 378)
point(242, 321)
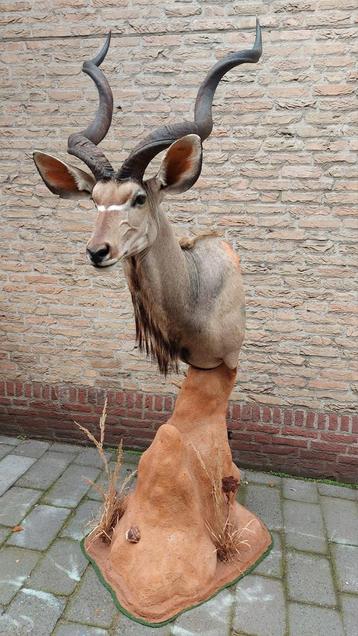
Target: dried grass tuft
point(230, 542)
point(114, 496)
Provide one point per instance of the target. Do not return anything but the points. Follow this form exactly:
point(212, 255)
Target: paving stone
point(256, 477)
point(260, 607)
point(62, 447)
point(4, 532)
point(91, 457)
point(304, 528)
point(350, 614)
point(7, 439)
point(272, 564)
point(79, 525)
point(76, 629)
point(309, 579)
point(11, 468)
point(241, 493)
point(211, 618)
point(131, 457)
point(60, 570)
point(16, 503)
point(15, 567)
point(46, 470)
point(307, 620)
point(40, 527)
point(31, 612)
point(93, 603)
point(265, 503)
point(126, 627)
point(31, 448)
point(341, 517)
point(346, 567)
point(93, 493)
point(343, 492)
point(71, 486)
point(5, 449)
point(300, 490)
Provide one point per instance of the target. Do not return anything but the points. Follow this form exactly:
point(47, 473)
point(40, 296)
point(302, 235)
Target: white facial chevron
point(112, 208)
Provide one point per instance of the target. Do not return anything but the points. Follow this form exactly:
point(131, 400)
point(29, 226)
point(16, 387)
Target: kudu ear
point(181, 165)
point(63, 179)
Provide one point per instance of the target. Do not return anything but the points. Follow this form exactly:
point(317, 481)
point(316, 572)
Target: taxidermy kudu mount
point(187, 295)
point(180, 536)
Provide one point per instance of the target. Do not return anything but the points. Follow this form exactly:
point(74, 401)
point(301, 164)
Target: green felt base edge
point(169, 620)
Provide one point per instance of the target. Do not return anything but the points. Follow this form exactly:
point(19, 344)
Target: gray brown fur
point(151, 335)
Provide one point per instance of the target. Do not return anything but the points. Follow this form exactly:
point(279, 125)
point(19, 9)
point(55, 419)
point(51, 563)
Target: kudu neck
point(164, 265)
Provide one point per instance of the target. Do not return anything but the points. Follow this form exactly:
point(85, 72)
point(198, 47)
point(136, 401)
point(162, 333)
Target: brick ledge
point(296, 441)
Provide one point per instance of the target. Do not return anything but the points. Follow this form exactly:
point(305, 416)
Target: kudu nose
point(99, 254)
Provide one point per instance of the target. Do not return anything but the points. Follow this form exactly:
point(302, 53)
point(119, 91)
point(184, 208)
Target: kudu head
point(127, 204)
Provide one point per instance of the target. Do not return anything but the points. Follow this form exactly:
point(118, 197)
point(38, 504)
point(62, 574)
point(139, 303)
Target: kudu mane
point(153, 333)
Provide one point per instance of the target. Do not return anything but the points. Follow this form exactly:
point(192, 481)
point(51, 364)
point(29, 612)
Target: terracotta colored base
point(182, 502)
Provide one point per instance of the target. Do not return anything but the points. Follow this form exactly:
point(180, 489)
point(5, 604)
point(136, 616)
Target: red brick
point(46, 392)
point(322, 421)
point(354, 423)
point(327, 447)
point(299, 418)
point(310, 420)
point(345, 438)
point(82, 395)
point(345, 423)
point(277, 415)
point(266, 414)
point(239, 444)
point(245, 412)
point(37, 390)
point(333, 424)
point(83, 408)
point(236, 411)
point(158, 403)
point(348, 459)
point(263, 428)
point(291, 441)
point(19, 388)
point(138, 400)
point(20, 402)
point(301, 432)
point(120, 398)
point(92, 395)
point(168, 404)
point(10, 389)
point(28, 390)
point(129, 400)
point(280, 449)
point(86, 420)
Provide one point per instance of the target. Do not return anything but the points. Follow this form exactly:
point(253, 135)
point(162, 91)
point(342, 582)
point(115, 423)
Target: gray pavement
point(307, 586)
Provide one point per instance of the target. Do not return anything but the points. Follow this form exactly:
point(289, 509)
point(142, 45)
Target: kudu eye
point(140, 199)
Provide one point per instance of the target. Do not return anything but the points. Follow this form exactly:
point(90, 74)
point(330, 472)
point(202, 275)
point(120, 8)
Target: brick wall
point(279, 181)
